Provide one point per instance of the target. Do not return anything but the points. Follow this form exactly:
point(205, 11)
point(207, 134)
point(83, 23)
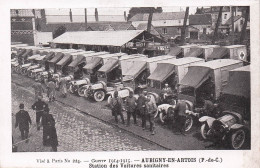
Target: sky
point(109, 11)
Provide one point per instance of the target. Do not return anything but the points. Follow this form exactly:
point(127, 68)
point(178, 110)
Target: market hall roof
point(100, 38)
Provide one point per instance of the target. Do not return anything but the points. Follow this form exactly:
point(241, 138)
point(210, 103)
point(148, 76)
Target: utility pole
point(96, 14)
point(243, 32)
point(232, 25)
point(183, 30)
point(71, 16)
point(86, 20)
point(217, 24)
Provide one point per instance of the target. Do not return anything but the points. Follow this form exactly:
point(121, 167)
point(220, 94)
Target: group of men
point(144, 105)
point(23, 120)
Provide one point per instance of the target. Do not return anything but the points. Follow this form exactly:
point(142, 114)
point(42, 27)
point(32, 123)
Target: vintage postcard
point(130, 84)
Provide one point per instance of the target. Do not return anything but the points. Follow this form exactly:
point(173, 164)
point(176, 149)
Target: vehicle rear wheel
point(30, 74)
point(99, 95)
point(23, 71)
point(188, 123)
point(238, 139)
point(81, 91)
point(162, 117)
point(71, 88)
point(203, 131)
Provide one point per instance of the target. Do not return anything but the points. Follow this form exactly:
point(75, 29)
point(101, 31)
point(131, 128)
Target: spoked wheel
point(99, 95)
point(188, 123)
point(81, 91)
point(23, 71)
point(238, 139)
point(30, 74)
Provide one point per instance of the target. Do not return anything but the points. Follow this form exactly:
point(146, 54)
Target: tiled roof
point(121, 26)
point(159, 16)
point(228, 22)
point(200, 19)
point(143, 26)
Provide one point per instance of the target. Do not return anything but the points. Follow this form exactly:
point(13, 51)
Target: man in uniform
point(141, 108)
point(23, 120)
point(208, 108)
point(63, 86)
point(39, 106)
point(38, 89)
point(167, 91)
point(116, 107)
point(180, 115)
point(51, 90)
point(151, 109)
point(52, 133)
point(131, 107)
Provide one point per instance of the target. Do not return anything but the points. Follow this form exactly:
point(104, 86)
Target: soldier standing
point(116, 107)
point(151, 109)
point(63, 86)
point(51, 90)
point(23, 120)
point(39, 106)
point(131, 107)
point(141, 108)
point(38, 89)
point(180, 115)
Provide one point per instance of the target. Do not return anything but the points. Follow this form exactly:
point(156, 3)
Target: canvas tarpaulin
point(175, 51)
point(56, 58)
point(239, 82)
point(162, 72)
point(196, 76)
point(195, 52)
point(64, 60)
point(136, 68)
point(109, 65)
point(218, 53)
point(78, 59)
point(93, 63)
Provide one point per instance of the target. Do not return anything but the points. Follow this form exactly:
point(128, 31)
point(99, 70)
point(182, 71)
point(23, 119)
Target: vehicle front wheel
point(188, 123)
point(238, 139)
point(204, 130)
point(99, 95)
point(81, 91)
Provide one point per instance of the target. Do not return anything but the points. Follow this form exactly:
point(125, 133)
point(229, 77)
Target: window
point(164, 30)
point(204, 30)
point(241, 22)
point(225, 16)
point(179, 21)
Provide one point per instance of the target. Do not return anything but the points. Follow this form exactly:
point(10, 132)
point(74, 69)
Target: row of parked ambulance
point(193, 71)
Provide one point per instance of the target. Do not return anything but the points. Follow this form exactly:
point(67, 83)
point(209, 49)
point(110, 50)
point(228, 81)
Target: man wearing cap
point(131, 107)
point(167, 91)
point(141, 107)
point(39, 106)
point(151, 109)
point(23, 120)
point(116, 107)
point(180, 115)
point(51, 90)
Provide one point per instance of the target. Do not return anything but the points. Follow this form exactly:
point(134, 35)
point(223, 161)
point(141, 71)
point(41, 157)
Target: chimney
point(96, 14)
point(71, 16)
point(86, 20)
point(125, 15)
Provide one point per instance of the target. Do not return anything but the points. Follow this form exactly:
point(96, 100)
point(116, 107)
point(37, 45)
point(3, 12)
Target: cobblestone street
point(76, 131)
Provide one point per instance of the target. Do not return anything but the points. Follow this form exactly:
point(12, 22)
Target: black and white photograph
point(143, 78)
point(144, 86)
